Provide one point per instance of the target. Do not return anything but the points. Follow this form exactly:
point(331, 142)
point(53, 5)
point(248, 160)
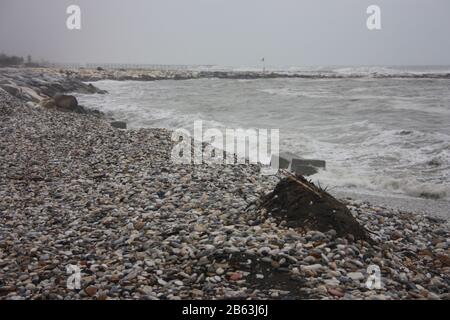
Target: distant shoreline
point(121, 74)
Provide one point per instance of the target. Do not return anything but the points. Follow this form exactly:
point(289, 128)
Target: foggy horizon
point(229, 33)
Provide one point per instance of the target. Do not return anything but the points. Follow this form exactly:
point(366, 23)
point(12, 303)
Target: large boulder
point(119, 124)
point(297, 165)
point(30, 94)
point(284, 159)
point(62, 102)
point(306, 167)
point(12, 90)
point(66, 102)
point(51, 89)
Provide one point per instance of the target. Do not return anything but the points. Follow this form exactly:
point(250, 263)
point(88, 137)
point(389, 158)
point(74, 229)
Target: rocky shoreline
point(76, 191)
point(72, 78)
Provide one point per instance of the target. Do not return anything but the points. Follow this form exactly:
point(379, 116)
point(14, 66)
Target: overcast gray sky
point(229, 32)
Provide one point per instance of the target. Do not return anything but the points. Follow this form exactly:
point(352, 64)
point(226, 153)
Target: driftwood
point(303, 205)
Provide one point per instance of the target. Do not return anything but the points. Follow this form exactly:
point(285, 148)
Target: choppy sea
point(382, 134)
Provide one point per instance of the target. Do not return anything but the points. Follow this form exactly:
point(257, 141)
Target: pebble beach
point(74, 190)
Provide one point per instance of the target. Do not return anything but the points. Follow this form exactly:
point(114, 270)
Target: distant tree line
point(10, 60)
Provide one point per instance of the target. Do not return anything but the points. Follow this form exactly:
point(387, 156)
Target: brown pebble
point(91, 291)
point(139, 225)
point(335, 292)
point(236, 276)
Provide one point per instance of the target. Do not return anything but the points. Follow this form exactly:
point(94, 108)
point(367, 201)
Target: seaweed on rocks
point(303, 205)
